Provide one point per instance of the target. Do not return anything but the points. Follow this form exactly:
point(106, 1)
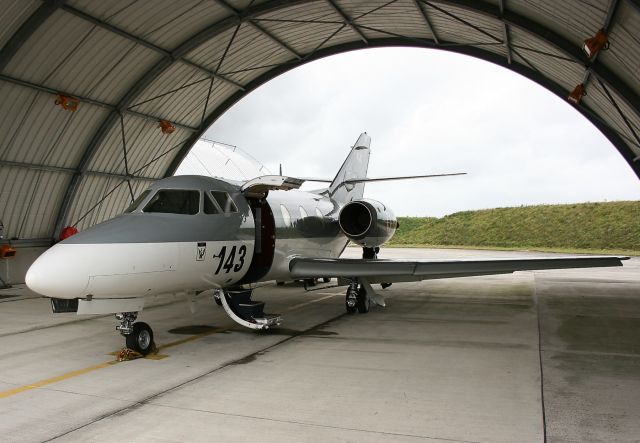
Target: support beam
point(482, 7)
point(122, 33)
point(31, 25)
point(505, 32)
point(50, 168)
point(48, 90)
point(427, 20)
point(149, 77)
point(261, 29)
point(276, 40)
point(348, 21)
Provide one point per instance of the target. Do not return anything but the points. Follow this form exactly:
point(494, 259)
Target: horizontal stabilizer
point(377, 179)
point(406, 177)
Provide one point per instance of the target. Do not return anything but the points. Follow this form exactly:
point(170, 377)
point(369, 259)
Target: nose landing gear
point(138, 336)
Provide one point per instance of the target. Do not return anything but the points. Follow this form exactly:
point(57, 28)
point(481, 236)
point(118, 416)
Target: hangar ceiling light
point(594, 44)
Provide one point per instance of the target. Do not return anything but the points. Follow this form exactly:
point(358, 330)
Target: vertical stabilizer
point(355, 166)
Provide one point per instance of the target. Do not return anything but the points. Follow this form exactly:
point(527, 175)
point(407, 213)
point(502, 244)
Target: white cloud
point(430, 111)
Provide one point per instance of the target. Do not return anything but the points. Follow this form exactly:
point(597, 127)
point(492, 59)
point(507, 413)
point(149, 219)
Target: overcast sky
point(429, 111)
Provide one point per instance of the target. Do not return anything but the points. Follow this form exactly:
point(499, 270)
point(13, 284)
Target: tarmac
point(525, 357)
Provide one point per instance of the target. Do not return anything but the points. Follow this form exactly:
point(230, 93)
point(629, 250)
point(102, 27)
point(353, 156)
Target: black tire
point(385, 285)
point(350, 309)
point(280, 283)
point(326, 279)
point(141, 338)
point(363, 304)
point(310, 282)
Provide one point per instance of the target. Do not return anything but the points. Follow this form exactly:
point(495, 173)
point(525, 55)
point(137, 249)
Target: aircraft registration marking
point(230, 261)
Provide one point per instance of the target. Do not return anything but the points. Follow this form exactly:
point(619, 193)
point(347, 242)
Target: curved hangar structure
point(99, 98)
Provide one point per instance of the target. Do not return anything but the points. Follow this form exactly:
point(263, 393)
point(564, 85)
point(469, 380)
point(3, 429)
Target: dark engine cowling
point(367, 222)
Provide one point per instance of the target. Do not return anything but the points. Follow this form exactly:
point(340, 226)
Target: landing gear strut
point(138, 336)
point(372, 254)
point(356, 299)
point(351, 301)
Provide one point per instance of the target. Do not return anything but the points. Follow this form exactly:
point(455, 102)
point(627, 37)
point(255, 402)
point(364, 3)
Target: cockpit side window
point(134, 205)
point(174, 201)
point(224, 201)
point(209, 206)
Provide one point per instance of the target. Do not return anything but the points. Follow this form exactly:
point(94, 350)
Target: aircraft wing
point(390, 271)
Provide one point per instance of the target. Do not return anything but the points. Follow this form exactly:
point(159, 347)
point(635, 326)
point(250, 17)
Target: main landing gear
point(356, 299)
point(372, 254)
point(138, 336)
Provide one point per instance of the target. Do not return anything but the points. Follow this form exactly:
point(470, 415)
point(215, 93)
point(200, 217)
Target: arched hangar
point(98, 99)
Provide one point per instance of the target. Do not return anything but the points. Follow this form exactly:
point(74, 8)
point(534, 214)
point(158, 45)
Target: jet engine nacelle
point(367, 222)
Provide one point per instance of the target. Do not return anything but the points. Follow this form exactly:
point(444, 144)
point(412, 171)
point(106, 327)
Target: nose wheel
point(141, 338)
point(138, 336)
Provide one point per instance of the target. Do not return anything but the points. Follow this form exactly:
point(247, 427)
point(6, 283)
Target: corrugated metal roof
point(149, 60)
point(12, 14)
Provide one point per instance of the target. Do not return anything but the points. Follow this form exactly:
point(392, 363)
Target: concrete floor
point(522, 357)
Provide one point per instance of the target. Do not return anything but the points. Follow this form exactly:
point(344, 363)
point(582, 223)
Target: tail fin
point(355, 166)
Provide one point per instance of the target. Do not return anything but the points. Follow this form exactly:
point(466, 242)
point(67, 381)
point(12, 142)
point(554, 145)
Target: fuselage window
point(209, 206)
point(285, 216)
point(134, 205)
point(224, 201)
point(174, 201)
point(303, 213)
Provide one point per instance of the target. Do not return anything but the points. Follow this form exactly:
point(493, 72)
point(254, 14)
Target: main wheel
point(350, 302)
point(363, 303)
point(141, 338)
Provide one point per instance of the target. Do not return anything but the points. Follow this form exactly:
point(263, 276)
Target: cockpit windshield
point(174, 201)
point(134, 204)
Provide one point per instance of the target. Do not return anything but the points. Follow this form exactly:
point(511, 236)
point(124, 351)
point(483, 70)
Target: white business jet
point(188, 234)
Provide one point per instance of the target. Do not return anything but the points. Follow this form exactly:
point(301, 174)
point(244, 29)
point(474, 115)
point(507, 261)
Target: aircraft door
point(265, 242)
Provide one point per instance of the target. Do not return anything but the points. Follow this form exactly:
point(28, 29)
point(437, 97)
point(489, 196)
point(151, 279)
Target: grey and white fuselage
point(140, 253)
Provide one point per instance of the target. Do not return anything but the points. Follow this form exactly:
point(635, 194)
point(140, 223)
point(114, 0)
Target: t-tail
point(354, 167)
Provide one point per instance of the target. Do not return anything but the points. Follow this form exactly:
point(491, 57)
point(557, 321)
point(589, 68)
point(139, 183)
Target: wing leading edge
point(378, 271)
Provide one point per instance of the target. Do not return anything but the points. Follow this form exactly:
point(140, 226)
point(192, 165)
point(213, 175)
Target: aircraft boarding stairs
point(246, 312)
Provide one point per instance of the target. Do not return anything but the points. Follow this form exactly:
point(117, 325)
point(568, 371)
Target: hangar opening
point(92, 116)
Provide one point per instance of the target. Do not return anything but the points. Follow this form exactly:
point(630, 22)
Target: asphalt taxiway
point(523, 357)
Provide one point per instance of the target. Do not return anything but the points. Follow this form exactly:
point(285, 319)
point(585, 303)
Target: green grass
point(612, 227)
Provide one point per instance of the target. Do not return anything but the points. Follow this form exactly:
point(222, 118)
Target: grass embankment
point(612, 227)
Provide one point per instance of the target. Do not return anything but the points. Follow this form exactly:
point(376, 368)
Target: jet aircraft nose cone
point(57, 273)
